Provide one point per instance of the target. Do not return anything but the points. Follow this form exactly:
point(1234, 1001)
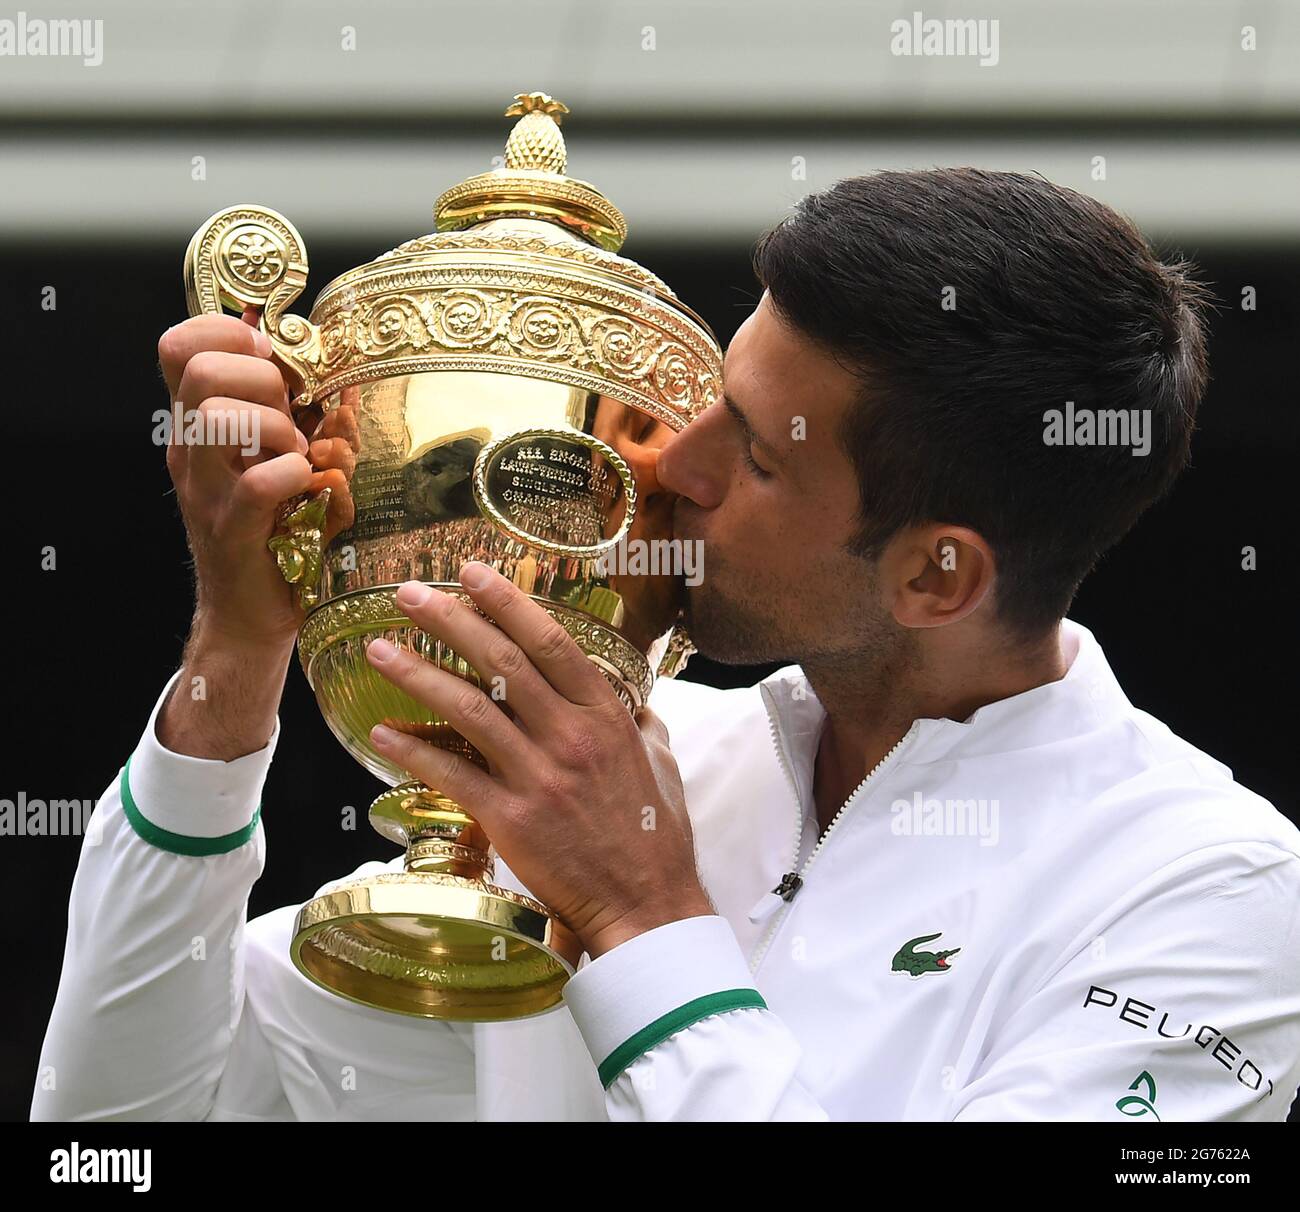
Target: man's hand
point(583, 802)
point(245, 616)
point(228, 498)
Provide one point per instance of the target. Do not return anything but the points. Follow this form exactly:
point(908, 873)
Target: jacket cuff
point(635, 996)
point(189, 805)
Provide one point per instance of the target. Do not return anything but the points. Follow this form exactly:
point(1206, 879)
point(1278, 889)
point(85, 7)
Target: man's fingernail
point(261, 343)
point(303, 445)
point(414, 593)
point(383, 737)
point(474, 575)
point(380, 650)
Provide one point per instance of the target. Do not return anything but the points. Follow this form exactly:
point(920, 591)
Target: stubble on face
point(830, 623)
point(729, 625)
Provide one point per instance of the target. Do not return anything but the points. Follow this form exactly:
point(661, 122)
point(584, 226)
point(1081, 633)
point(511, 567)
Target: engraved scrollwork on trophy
point(462, 319)
point(625, 667)
point(377, 609)
point(542, 327)
point(615, 338)
point(673, 375)
point(341, 617)
point(251, 256)
point(336, 343)
point(557, 246)
point(620, 347)
point(385, 325)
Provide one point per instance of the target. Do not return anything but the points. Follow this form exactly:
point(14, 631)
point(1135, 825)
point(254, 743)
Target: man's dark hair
point(1051, 297)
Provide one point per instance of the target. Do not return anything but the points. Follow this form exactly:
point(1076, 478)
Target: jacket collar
point(1083, 700)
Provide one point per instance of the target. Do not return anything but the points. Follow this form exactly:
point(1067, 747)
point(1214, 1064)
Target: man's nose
point(693, 463)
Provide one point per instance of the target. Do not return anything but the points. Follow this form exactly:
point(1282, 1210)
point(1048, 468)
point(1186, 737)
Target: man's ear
point(937, 574)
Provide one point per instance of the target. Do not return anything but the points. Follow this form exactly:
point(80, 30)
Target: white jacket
point(1054, 910)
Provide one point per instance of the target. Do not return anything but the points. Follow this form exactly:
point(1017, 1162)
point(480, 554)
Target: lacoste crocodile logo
point(918, 963)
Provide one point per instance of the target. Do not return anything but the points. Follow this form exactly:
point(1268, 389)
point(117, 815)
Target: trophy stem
point(440, 939)
point(449, 858)
point(440, 837)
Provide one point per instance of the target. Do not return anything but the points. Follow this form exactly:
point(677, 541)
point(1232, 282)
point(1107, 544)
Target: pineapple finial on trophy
point(534, 183)
point(535, 143)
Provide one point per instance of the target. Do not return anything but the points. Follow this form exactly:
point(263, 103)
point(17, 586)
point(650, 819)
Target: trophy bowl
point(504, 385)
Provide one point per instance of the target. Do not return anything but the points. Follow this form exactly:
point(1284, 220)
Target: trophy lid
point(521, 277)
point(532, 184)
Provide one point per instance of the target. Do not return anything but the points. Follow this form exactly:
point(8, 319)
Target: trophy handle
point(252, 256)
point(299, 543)
point(676, 653)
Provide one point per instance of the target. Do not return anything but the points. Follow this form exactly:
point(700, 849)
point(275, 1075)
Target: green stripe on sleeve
point(179, 843)
point(655, 1033)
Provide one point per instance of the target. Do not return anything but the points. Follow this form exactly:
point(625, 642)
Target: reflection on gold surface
point(417, 517)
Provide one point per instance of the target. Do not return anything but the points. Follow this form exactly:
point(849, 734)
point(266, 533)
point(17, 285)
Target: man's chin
point(723, 633)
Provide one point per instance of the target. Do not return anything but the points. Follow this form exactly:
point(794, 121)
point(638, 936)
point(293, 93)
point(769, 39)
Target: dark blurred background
point(703, 123)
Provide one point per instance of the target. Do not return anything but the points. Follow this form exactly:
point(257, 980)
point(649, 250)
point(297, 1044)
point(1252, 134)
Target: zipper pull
point(770, 902)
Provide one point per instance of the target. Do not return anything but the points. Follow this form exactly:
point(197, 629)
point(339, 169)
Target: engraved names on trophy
point(379, 483)
point(549, 489)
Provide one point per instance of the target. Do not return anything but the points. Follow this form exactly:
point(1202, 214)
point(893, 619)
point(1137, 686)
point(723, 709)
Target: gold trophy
point(503, 382)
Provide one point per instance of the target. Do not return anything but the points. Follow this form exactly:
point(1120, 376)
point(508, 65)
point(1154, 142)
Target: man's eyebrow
point(743, 421)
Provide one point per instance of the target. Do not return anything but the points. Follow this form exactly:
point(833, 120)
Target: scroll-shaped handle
point(251, 256)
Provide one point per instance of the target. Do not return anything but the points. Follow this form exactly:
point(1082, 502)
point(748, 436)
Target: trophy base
point(435, 945)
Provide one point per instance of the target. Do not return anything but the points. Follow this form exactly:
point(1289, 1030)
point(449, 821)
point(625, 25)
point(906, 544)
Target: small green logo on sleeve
point(918, 963)
point(1135, 1106)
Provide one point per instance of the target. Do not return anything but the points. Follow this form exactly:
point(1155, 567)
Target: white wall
point(1201, 138)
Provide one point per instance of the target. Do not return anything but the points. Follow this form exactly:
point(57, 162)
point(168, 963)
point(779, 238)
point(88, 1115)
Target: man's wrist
point(189, 804)
point(225, 700)
point(214, 639)
point(639, 994)
point(643, 918)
